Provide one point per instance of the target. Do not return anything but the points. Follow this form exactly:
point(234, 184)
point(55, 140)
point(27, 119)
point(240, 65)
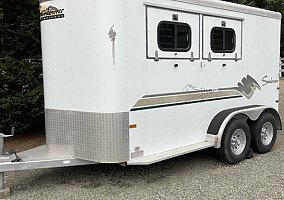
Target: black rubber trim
point(221, 116)
point(183, 103)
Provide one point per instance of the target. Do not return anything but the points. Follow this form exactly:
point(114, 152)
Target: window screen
point(223, 40)
point(173, 36)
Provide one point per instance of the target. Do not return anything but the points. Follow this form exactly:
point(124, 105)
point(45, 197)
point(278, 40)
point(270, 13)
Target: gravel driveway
point(195, 176)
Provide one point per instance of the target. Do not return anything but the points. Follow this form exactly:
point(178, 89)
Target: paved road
point(195, 176)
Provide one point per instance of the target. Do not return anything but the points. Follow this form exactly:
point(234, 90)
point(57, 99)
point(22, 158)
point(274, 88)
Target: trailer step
point(148, 160)
point(39, 158)
point(40, 153)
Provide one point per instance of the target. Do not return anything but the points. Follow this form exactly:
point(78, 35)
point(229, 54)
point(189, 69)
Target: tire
point(235, 142)
point(263, 133)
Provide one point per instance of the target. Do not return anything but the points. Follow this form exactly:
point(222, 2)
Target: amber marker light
point(132, 126)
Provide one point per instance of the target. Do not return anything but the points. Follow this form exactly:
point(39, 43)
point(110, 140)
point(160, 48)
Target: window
point(223, 40)
point(173, 36)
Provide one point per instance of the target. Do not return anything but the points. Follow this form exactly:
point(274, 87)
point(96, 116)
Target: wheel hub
point(238, 141)
point(267, 133)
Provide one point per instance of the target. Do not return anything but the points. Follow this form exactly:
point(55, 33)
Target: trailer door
point(222, 38)
point(172, 34)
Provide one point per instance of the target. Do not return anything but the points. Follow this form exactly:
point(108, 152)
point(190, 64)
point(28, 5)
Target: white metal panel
point(155, 16)
point(210, 22)
point(57, 69)
point(148, 160)
point(84, 70)
point(163, 129)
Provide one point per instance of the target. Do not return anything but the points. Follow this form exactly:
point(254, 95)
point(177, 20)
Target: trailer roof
point(234, 7)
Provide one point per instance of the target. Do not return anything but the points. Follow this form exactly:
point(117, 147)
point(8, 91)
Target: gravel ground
point(21, 142)
point(194, 176)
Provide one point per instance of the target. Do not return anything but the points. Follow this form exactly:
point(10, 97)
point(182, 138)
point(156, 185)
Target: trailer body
point(137, 82)
point(141, 81)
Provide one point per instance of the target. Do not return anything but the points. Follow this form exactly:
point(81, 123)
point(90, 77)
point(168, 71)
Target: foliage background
point(21, 90)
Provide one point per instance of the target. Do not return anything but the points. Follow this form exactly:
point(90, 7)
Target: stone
point(5, 193)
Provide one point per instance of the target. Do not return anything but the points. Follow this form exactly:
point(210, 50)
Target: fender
point(221, 120)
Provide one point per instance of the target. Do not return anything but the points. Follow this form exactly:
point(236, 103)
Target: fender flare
point(221, 120)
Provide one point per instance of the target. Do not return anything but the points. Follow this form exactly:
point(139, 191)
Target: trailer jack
point(4, 191)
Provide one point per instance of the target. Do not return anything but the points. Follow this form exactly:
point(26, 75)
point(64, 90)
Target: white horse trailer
point(137, 82)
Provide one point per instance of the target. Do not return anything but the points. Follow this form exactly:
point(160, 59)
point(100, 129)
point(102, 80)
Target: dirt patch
point(21, 142)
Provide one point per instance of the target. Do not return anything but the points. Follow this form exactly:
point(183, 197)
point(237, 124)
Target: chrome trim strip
point(187, 97)
point(246, 88)
point(183, 103)
point(188, 92)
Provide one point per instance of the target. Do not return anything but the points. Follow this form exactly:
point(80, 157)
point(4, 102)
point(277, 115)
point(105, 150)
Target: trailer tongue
point(37, 158)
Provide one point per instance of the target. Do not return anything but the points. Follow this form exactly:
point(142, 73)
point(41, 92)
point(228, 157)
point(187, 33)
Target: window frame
point(224, 29)
point(174, 49)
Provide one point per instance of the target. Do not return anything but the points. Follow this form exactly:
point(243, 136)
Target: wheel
point(263, 133)
point(235, 142)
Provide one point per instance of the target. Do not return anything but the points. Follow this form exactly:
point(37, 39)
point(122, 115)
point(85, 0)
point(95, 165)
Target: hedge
point(21, 95)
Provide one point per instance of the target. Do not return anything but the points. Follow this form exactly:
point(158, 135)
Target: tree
point(20, 29)
point(21, 90)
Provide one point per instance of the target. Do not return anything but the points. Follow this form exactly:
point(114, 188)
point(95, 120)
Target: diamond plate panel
point(98, 137)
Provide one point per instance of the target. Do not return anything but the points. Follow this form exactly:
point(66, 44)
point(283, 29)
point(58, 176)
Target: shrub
point(21, 95)
point(21, 90)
